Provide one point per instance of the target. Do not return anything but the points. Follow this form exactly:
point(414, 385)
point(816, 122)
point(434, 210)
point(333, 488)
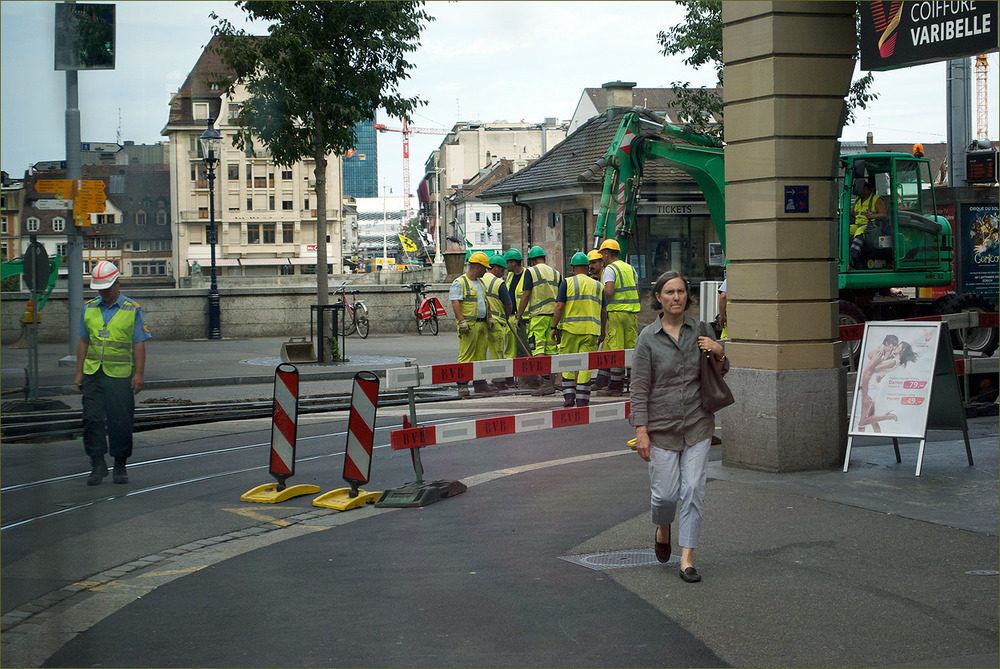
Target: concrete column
point(788, 68)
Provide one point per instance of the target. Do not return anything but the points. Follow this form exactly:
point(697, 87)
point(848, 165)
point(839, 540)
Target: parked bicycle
point(356, 313)
point(426, 309)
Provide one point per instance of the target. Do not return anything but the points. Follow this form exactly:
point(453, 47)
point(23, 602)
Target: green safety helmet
point(497, 260)
point(536, 252)
point(580, 258)
point(513, 254)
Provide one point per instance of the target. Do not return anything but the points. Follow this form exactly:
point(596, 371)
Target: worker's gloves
point(463, 328)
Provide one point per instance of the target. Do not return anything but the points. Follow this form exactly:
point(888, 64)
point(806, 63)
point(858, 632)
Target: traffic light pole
point(74, 246)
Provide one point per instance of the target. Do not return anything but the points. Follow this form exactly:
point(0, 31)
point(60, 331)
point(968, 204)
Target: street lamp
point(211, 143)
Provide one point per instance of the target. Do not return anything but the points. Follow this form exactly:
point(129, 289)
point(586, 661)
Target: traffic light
point(85, 36)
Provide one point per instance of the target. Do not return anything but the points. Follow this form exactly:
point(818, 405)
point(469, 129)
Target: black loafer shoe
point(662, 550)
point(690, 575)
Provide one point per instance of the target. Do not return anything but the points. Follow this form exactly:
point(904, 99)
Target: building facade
point(361, 164)
point(265, 214)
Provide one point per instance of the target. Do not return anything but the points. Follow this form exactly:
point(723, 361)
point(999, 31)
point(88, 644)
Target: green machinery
point(909, 247)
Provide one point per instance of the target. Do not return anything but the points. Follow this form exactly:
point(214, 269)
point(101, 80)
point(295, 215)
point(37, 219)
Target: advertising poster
point(894, 382)
point(980, 249)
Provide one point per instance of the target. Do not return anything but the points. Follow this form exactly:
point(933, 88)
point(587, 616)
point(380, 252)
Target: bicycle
point(425, 309)
point(356, 318)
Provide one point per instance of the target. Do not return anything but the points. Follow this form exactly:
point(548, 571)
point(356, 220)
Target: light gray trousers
point(677, 479)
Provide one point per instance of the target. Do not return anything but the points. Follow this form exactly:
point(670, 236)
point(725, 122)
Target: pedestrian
point(578, 326)
point(468, 302)
point(110, 371)
point(519, 332)
point(673, 430)
point(596, 261)
point(621, 289)
point(538, 302)
point(500, 304)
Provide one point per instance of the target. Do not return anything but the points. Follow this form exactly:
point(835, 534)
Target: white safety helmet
point(104, 275)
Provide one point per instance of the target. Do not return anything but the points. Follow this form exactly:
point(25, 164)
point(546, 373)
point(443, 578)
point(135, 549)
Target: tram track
point(42, 426)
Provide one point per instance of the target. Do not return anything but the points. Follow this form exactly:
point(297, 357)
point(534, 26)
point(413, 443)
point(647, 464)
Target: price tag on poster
point(906, 384)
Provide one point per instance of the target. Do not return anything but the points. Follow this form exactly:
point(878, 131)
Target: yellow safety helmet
point(610, 244)
point(480, 258)
point(594, 255)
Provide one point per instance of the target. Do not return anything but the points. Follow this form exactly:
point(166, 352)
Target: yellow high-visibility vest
point(110, 345)
point(626, 297)
point(582, 313)
point(544, 289)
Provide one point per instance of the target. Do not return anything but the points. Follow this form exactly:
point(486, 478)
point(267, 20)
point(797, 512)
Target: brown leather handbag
point(715, 393)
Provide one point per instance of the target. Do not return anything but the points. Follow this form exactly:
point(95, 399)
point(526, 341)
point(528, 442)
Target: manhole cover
point(632, 557)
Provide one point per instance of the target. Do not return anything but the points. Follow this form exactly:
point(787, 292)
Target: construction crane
point(982, 106)
point(407, 130)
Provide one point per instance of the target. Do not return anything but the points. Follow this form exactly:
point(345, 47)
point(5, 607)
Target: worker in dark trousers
point(110, 368)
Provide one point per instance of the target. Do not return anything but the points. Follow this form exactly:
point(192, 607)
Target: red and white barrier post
point(358, 455)
point(283, 430)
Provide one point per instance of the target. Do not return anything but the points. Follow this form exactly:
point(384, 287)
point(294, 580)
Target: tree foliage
point(699, 38)
point(322, 68)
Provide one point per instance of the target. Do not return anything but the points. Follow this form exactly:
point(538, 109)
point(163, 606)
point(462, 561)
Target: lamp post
point(211, 143)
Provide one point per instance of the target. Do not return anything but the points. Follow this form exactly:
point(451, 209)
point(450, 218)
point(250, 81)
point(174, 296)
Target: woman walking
point(673, 431)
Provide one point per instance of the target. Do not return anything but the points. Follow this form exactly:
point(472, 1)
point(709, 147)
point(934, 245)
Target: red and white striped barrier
point(358, 455)
point(417, 437)
point(283, 423)
point(409, 377)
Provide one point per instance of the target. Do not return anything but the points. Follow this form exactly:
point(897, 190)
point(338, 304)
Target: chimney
point(619, 93)
point(870, 139)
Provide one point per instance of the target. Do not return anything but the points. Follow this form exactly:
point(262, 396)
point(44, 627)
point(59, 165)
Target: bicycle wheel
point(420, 325)
point(349, 322)
point(361, 318)
point(434, 325)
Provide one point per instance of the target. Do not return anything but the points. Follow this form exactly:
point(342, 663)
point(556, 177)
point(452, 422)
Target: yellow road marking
point(258, 515)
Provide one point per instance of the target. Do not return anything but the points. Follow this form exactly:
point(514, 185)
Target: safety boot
point(546, 387)
point(119, 475)
point(99, 469)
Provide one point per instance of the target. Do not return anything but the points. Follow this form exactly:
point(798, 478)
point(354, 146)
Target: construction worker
point(472, 315)
point(538, 302)
point(622, 293)
point(578, 325)
point(596, 265)
point(869, 211)
point(500, 304)
point(519, 334)
point(110, 370)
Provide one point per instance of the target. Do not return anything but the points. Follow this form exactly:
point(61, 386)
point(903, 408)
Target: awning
point(251, 262)
point(302, 261)
point(219, 262)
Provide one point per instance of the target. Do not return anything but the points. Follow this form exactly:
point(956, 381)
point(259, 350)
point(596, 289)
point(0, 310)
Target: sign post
point(906, 385)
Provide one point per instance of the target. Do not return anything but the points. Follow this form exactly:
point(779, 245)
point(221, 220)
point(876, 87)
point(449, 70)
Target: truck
point(910, 246)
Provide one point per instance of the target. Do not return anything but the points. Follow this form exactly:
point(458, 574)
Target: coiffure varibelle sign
point(899, 34)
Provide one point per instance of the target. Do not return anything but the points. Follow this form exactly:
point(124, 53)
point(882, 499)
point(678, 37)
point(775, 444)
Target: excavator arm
point(642, 136)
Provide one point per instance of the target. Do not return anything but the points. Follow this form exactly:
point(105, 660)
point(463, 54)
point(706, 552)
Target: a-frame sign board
point(906, 385)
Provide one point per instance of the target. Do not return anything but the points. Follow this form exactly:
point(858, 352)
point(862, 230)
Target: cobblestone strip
point(25, 618)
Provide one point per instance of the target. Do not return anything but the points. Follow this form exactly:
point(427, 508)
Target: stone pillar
point(788, 67)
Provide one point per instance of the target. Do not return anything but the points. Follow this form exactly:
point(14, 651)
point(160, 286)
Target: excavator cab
point(890, 233)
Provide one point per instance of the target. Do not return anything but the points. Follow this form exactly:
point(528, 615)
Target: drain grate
point(632, 557)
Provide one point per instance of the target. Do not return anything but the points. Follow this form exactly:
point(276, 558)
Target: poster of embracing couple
point(895, 378)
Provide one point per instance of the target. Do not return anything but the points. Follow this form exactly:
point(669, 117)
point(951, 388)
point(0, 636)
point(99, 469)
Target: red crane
point(406, 130)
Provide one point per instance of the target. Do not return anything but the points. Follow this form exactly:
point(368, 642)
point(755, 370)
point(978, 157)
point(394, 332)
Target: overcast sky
point(484, 61)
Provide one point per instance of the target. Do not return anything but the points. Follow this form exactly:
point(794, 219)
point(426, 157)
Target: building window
point(140, 246)
point(60, 249)
point(3, 225)
point(105, 218)
point(249, 204)
point(286, 270)
point(286, 205)
point(477, 217)
point(287, 233)
point(270, 203)
point(202, 212)
point(161, 217)
point(114, 243)
point(149, 268)
point(3, 251)
point(270, 178)
point(234, 172)
point(269, 233)
point(58, 224)
point(496, 216)
point(32, 224)
point(253, 233)
point(259, 182)
point(140, 217)
point(306, 204)
point(286, 175)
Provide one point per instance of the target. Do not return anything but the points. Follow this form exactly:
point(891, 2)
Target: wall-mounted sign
point(899, 34)
point(796, 199)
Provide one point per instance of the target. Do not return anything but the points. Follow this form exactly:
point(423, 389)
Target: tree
point(322, 68)
point(700, 35)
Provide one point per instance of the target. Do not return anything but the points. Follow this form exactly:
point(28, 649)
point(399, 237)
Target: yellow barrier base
point(341, 499)
point(269, 493)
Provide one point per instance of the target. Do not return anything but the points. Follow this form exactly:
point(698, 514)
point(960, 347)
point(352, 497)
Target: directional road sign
point(50, 165)
point(54, 204)
point(63, 188)
point(100, 148)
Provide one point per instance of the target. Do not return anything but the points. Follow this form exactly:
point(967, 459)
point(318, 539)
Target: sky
point(478, 61)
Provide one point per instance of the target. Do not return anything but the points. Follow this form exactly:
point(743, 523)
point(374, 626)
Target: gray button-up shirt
point(666, 386)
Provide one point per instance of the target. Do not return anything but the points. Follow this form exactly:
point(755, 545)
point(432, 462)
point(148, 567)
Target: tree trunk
point(322, 278)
